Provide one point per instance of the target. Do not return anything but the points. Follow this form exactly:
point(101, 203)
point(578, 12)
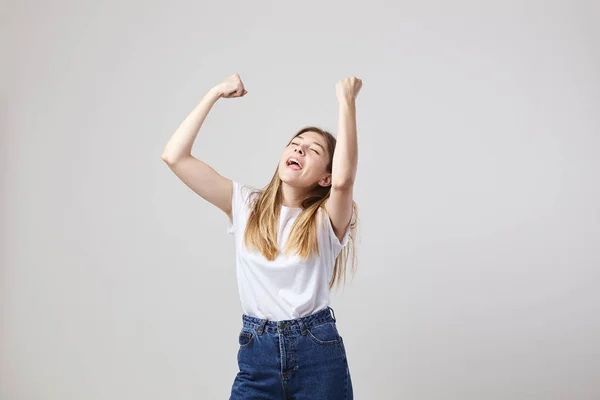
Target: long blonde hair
point(263, 221)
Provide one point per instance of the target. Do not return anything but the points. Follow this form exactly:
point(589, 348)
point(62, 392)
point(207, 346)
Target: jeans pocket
point(324, 334)
point(246, 338)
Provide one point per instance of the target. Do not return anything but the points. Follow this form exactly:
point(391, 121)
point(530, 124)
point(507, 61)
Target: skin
point(217, 189)
point(345, 160)
point(314, 159)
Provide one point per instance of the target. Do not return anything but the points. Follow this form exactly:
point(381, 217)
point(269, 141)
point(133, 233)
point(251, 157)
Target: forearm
point(180, 144)
point(345, 157)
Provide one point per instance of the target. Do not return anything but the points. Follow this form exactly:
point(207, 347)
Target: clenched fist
point(348, 88)
point(231, 87)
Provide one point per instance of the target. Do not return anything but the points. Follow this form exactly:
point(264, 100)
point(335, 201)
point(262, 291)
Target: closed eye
point(311, 149)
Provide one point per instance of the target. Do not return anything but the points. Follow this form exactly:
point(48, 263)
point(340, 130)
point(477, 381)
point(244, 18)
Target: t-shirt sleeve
point(239, 204)
point(336, 244)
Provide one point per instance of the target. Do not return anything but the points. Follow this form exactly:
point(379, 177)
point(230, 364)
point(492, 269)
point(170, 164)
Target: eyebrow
point(318, 144)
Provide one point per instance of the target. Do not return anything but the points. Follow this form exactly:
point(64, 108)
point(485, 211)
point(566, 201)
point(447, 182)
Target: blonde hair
point(263, 221)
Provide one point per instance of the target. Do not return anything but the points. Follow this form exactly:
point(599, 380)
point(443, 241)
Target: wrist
point(347, 102)
point(215, 93)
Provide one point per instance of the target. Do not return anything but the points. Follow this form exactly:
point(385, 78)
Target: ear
point(325, 181)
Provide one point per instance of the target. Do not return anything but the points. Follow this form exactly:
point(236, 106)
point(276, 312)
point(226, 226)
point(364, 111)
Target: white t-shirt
point(287, 287)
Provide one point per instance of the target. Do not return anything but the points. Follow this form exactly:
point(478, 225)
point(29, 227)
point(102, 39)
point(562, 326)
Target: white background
point(477, 186)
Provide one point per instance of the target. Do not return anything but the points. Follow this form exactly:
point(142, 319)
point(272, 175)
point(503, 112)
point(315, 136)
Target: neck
point(291, 196)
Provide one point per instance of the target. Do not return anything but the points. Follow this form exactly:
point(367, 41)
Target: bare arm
point(196, 174)
point(180, 144)
point(345, 158)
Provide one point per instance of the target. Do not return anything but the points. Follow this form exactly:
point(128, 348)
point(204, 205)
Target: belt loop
point(302, 327)
point(261, 327)
point(333, 316)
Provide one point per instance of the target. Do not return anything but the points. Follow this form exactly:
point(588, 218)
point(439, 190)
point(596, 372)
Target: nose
point(300, 150)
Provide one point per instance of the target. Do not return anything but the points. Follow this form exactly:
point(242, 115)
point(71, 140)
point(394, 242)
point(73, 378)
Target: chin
point(289, 180)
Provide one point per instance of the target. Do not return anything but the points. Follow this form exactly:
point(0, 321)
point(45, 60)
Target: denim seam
point(324, 342)
point(247, 334)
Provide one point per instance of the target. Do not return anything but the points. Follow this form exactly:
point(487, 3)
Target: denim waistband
point(302, 323)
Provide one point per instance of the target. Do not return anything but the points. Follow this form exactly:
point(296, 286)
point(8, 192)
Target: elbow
point(169, 159)
point(344, 185)
point(166, 159)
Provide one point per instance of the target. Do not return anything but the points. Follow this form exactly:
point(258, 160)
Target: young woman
point(291, 249)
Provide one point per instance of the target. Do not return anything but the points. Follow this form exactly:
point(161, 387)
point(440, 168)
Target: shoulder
point(337, 239)
point(243, 192)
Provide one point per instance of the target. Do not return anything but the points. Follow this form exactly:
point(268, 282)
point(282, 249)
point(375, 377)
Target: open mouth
point(294, 164)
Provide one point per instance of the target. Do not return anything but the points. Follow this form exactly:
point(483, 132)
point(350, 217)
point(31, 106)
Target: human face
point(310, 150)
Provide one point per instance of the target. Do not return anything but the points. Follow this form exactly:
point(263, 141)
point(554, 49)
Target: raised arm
point(340, 204)
point(196, 174)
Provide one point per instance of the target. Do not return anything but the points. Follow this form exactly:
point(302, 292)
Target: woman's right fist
point(231, 87)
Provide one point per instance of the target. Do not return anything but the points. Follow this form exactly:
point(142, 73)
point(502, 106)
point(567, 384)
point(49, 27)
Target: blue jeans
point(300, 359)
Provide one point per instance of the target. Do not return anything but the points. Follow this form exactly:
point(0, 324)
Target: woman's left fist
point(347, 89)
